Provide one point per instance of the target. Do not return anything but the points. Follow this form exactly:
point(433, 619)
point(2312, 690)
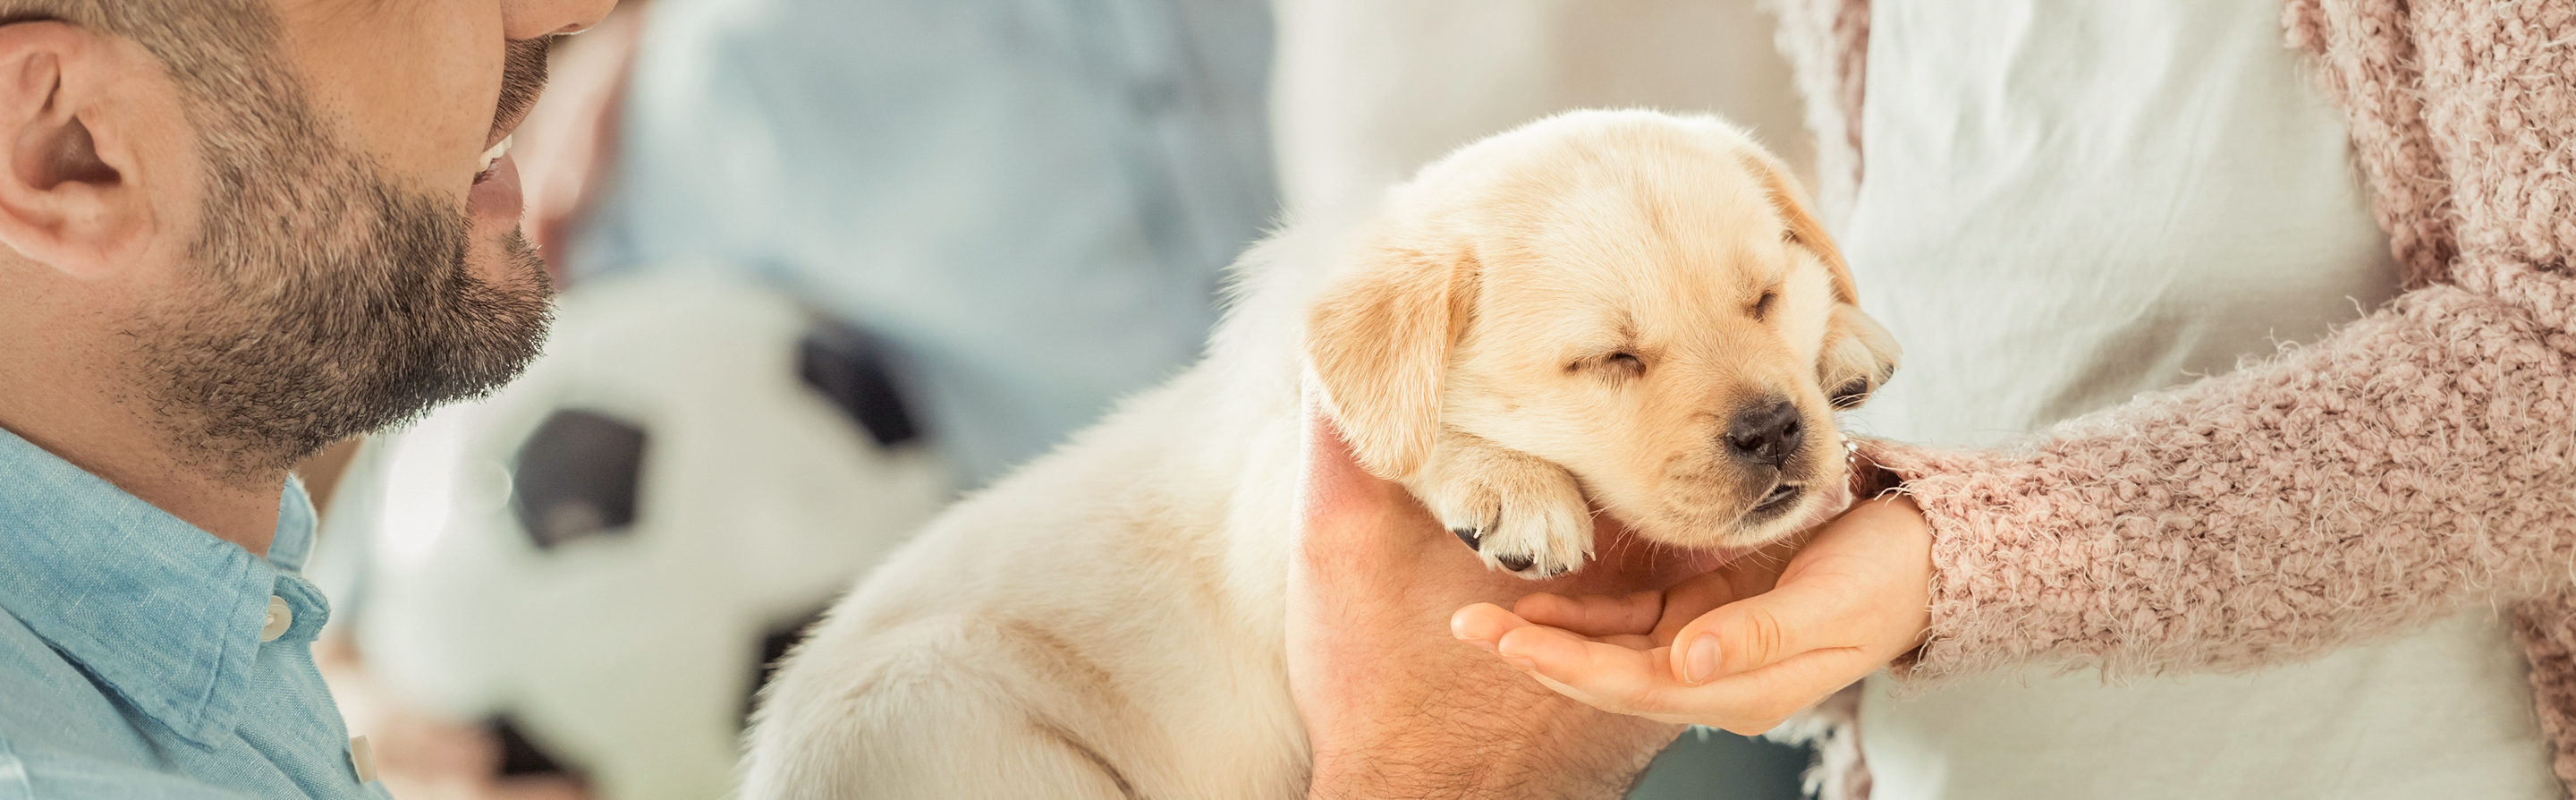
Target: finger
point(1632, 682)
point(1631, 641)
point(1602, 675)
point(1811, 612)
point(1701, 594)
point(1753, 703)
point(1484, 624)
point(1594, 615)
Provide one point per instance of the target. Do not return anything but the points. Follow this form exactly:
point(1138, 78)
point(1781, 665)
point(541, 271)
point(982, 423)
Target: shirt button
point(279, 619)
point(362, 759)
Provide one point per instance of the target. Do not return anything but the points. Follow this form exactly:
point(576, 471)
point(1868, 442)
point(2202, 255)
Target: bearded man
point(234, 231)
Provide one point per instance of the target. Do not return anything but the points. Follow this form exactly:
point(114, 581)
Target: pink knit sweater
point(2417, 462)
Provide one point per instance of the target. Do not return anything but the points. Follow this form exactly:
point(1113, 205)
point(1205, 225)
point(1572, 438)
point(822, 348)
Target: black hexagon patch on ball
point(576, 477)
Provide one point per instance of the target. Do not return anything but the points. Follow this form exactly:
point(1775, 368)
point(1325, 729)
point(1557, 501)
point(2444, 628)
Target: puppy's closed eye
point(1762, 307)
point(1616, 363)
point(1851, 394)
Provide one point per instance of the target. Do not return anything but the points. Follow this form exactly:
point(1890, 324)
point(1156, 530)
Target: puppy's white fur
point(1565, 315)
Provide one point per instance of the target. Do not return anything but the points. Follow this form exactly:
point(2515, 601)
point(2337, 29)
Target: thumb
point(1803, 614)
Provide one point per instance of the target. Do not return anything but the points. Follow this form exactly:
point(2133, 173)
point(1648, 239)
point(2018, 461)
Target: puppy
point(1621, 309)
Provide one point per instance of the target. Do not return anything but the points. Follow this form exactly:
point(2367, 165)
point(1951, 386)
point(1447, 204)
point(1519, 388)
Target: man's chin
point(508, 262)
point(498, 322)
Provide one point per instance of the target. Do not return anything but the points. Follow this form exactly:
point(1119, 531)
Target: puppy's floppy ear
point(1378, 342)
point(1803, 231)
point(1859, 355)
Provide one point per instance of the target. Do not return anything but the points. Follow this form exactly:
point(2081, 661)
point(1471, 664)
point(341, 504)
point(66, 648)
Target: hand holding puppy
point(1741, 648)
point(1394, 709)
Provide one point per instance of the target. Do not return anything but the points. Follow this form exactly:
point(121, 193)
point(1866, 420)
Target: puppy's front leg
point(1523, 515)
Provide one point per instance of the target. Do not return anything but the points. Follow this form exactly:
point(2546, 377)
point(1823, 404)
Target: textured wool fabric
point(2416, 462)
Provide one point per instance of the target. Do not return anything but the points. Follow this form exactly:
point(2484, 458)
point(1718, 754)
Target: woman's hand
point(1740, 648)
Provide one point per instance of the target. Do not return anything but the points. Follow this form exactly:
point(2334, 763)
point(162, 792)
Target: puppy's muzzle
point(1763, 439)
point(1766, 435)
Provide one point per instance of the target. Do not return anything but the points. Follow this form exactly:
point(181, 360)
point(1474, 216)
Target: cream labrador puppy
point(1621, 309)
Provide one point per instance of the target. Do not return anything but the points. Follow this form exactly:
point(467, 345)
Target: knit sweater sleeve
point(2416, 461)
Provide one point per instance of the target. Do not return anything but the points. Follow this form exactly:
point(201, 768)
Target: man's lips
point(496, 193)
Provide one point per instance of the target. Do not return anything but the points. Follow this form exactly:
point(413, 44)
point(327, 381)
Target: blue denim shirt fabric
point(131, 664)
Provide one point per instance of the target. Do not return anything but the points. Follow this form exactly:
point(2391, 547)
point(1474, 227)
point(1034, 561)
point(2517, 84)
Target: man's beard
point(328, 301)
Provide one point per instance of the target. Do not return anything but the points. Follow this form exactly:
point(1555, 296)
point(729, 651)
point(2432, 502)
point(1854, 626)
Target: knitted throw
point(2414, 463)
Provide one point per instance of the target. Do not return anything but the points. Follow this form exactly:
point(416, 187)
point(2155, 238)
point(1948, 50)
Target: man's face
point(358, 258)
point(425, 88)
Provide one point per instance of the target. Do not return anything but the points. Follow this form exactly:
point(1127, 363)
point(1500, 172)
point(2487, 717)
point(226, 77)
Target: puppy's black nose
point(1767, 434)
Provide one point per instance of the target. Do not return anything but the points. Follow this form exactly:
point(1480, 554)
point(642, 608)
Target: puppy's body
point(1108, 622)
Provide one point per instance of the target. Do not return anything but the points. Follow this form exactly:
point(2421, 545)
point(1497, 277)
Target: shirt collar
point(163, 613)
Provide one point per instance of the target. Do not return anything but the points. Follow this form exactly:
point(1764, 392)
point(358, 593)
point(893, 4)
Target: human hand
point(1763, 638)
point(1396, 708)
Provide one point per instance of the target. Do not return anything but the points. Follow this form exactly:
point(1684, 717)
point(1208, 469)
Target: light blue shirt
point(1031, 201)
point(131, 660)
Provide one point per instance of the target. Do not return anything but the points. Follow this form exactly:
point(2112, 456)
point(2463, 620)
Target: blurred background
point(828, 264)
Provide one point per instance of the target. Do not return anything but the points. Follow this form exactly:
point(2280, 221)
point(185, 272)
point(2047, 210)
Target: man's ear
point(1859, 355)
point(68, 197)
point(1378, 343)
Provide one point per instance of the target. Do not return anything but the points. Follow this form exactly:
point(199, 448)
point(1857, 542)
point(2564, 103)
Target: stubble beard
point(327, 300)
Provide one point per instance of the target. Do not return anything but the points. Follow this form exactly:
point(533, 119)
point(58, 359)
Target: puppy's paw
point(1522, 515)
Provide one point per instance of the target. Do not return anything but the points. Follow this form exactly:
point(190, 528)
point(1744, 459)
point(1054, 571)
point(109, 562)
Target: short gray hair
point(223, 56)
point(203, 43)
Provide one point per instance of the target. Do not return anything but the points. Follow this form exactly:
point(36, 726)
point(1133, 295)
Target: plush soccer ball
point(608, 553)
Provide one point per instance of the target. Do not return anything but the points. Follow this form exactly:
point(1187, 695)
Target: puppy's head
point(1643, 300)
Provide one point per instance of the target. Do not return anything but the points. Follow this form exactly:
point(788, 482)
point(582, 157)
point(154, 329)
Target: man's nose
point(529, 19)
point(1767, 432)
